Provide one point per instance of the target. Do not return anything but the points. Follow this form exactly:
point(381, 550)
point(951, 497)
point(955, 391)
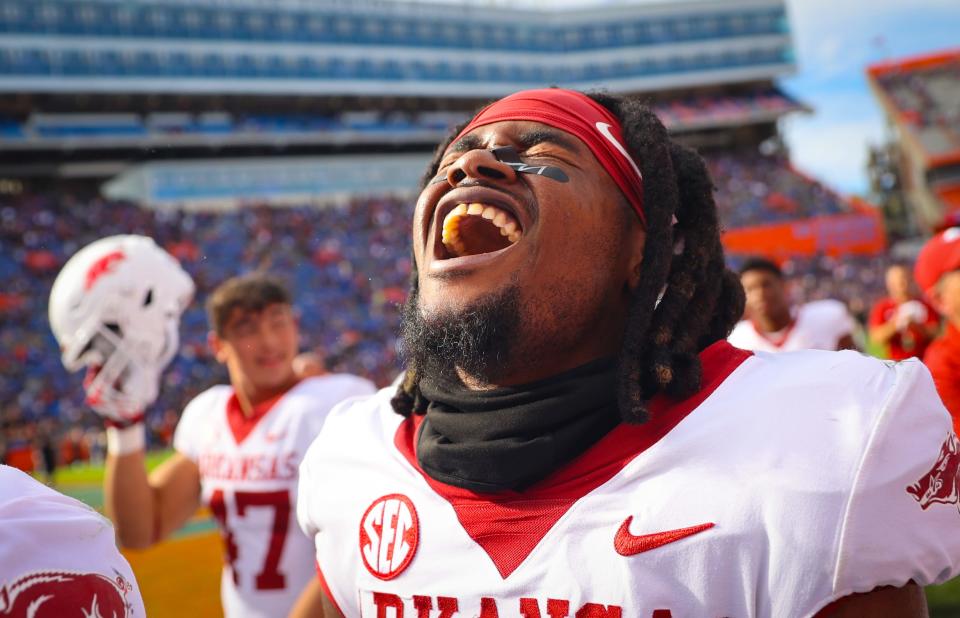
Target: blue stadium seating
point(114, 19)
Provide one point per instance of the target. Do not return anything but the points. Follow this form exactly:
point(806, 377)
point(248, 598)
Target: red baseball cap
point(940, 255)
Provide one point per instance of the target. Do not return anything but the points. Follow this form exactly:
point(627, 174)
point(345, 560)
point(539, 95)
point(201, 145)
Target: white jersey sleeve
point(338, 388)
point(310, 478)
point(188, 434)
point(743, 336)
point(902, 522)
point(58, 557)
point(830, 321)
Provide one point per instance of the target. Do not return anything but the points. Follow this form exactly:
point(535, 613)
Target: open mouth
point(476, 228)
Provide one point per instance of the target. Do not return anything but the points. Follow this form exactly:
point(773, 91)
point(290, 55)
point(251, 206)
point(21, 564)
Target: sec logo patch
point(389, 535)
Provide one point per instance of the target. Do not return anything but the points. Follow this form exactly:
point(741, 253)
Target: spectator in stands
point(902, 322)
point(20, 452)
point(774, 324)
point(937, 272)
point(47, 448)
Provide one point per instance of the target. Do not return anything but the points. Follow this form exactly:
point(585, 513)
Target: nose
point(479, 165)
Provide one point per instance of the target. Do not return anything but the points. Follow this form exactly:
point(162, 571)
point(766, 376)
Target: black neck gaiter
point(511, 437)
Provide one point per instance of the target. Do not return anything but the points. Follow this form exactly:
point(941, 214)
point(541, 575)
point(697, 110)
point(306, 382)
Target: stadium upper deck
point(920, 96)
point(382, 48)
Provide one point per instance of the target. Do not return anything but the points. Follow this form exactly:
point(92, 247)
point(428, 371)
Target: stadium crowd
point(347, 264)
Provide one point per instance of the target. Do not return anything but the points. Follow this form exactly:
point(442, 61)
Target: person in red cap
point(903, 323)
point(573, 436)
point(937, 272)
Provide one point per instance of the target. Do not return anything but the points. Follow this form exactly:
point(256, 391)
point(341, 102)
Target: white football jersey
point(788, 482)
point(248, 475)
point(58, 557)
point(817, 325)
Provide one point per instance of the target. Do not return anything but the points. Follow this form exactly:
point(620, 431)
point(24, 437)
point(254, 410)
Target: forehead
point(241, 315)
point(521, 133)
point(757, 276)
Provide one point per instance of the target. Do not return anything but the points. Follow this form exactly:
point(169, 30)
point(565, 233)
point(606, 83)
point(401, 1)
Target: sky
point(834, 41)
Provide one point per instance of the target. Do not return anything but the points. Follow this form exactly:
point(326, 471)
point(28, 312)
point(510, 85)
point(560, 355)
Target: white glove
point(910, 312)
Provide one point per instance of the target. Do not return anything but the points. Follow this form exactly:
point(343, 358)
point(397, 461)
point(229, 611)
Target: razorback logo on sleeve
point(940, 483)
point(53, 594)
point(389, 536)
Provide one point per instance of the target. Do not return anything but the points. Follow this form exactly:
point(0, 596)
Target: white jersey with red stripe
point(58, 557)
point(789, 481)
point(248, 475)
point(817, 325)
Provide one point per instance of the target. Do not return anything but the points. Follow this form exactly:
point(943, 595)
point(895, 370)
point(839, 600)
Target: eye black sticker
point(510, 156)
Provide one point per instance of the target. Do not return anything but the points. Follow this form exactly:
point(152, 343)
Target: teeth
point(450, 234)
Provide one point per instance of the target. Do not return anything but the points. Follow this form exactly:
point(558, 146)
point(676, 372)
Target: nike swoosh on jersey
point(628, 544)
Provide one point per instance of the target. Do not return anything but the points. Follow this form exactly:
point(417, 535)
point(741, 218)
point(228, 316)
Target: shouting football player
point(575, 437)
point(773, 324)
point(237, 447)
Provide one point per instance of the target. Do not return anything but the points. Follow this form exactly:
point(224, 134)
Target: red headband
point(581, 116)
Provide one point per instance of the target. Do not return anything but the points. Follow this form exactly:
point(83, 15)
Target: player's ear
point(217, 346)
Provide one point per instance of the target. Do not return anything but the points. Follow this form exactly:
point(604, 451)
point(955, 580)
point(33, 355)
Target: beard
point(478, 340)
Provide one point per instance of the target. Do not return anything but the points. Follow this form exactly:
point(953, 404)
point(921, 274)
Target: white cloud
point(834, 151)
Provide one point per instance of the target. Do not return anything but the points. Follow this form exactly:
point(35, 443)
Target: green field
point(181, 577)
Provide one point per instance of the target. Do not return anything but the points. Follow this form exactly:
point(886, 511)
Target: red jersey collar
point(240, 424)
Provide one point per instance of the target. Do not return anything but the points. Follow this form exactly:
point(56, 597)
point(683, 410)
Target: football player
point(237, 446)
point(903, 322)
point(938, 274)
point(575, 437)
point(58, 557)
point(774, 325)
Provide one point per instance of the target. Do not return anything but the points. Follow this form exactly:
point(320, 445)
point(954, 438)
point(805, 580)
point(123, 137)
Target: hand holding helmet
point(115, 310)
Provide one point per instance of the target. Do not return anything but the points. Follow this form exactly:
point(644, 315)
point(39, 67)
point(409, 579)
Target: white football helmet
point(115, 310)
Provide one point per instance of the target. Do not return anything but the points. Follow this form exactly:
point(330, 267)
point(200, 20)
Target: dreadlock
point(686, 298)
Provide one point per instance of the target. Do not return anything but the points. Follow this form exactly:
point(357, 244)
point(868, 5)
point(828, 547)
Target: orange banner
point(861, 233)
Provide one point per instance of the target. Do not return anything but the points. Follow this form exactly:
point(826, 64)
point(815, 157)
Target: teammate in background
point(58, 557)
point(902, 322)
point(115, 309)
point(937, 272)
point(772, 324)
point(574, 437)
point(238, 448)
